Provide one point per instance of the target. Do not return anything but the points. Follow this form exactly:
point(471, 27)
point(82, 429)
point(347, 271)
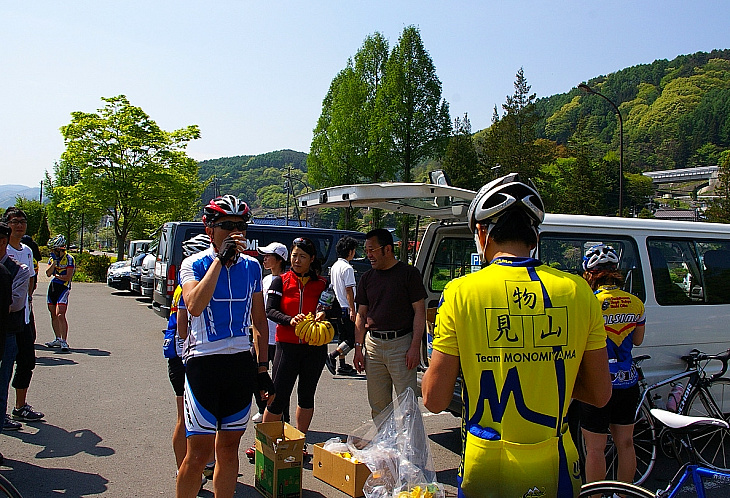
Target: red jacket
point(295, 299)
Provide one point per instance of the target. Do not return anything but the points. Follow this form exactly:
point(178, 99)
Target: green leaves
point(118, 161)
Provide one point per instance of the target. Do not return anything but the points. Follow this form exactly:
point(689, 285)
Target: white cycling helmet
point(194, 245)
point(502, 194)
point(57, 242)
point(600, 254)
point(227, 205)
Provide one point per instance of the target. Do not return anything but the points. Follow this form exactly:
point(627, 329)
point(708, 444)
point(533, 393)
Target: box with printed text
point(278, 460)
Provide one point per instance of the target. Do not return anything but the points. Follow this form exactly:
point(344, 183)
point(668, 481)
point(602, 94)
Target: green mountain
point(676, 113)
point(256, 179)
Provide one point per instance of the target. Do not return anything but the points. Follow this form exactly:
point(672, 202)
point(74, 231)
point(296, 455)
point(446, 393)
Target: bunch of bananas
point(316, 333)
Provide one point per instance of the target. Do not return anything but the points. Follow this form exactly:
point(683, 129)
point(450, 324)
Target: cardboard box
point(336, 471)
point(278, 460)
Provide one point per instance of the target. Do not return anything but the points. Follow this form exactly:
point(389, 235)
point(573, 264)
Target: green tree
point(413, 111)
point(34, 210)
point(64, 214)
point(461, 162)
point(128, 165)
point(44, 233)
point(510, 144)
point(719, 210)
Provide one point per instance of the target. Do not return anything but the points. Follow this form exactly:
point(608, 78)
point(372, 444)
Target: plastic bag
point(336, 445)
point(395, 448)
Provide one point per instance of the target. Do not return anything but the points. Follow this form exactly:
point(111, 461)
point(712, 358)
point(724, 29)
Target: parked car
point(173, 234)
point(655, 256)
point(135, 269)
point(118, 274)
point(147, 274)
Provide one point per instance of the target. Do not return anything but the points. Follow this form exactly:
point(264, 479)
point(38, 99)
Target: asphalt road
point(109, 409)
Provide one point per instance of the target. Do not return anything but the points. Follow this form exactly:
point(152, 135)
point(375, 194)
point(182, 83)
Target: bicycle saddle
point(677, 421)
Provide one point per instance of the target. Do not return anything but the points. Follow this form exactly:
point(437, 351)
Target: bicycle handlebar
point(695, 356)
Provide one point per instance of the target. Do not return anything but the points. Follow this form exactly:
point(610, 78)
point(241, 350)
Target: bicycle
point(684, 429)
point(7, 488)
point(706, 395)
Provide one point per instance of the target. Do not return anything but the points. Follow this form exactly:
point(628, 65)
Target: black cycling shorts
point(620, 410)
point(176, 372)
point(296, 363)
point(218, 392)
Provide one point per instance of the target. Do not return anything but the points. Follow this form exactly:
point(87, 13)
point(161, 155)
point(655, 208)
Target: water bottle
point(675, 395)
point(326, 299)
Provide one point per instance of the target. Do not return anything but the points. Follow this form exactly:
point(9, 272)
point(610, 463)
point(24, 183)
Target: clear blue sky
point(253, 75)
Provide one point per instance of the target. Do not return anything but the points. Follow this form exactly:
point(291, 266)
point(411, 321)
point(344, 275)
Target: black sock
point(342, 361)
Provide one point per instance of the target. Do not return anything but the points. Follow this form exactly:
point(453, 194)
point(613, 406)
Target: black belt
point(389, 334)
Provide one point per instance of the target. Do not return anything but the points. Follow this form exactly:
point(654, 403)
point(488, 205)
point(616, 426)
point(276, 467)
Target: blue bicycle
point(685, 431)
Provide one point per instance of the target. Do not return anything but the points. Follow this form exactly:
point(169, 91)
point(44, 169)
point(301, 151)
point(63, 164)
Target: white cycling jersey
point(224, 326)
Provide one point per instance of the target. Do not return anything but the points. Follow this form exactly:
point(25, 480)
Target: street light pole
point(585, 88)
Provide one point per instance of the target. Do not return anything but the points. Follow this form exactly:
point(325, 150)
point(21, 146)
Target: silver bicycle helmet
point(194, 245)
point(600, 254)
point(57, 242)
point(502, 194)
point(227, 205)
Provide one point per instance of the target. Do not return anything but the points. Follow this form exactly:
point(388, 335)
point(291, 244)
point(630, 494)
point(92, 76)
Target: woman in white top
point(275, 257)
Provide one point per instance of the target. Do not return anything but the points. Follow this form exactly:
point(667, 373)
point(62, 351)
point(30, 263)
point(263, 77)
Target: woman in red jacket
point(291, 296)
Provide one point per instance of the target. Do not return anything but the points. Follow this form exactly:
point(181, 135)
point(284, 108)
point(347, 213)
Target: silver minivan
point(680, 270)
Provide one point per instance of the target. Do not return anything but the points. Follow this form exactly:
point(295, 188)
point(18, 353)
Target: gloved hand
point(228, 250)
point(265, 383)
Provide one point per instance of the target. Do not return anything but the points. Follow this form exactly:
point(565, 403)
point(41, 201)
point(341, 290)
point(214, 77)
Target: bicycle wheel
point(712, 446)
point(7, 489)
point(644, 445)
point(608, 488)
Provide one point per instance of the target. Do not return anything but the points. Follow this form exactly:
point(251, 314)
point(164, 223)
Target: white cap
point(275, 248)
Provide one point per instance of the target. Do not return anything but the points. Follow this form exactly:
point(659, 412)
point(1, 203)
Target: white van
point(681, 270)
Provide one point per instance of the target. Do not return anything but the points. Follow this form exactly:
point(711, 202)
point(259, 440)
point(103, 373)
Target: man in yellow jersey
point(527, 339)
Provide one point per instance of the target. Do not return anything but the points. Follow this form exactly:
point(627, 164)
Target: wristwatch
point(263, 364)
point(358, 344)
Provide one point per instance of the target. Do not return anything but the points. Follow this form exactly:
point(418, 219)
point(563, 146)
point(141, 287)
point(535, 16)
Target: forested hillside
point(676, 113)
point(256, 179)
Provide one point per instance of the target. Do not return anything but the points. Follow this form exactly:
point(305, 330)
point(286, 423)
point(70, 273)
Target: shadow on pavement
point(58, 442)
point(32, 480)
point(54, 361)
point(57, 352)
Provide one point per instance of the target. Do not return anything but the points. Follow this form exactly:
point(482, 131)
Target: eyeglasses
point(232, 225)
point(372, 250)
point(18, 222)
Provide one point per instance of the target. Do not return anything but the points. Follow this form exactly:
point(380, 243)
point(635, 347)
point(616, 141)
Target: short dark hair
point(345, 245)
point(385, 238)
point(14, 212)
point(514, 226)
point(5, 229)
point(305, 245)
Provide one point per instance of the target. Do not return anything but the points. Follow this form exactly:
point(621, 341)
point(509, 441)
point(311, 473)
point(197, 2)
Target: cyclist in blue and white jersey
point(222, 293)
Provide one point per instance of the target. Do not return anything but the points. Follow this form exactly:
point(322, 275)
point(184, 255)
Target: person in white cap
point(275, 257)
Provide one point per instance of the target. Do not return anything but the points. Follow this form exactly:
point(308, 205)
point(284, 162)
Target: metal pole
point(587, 89)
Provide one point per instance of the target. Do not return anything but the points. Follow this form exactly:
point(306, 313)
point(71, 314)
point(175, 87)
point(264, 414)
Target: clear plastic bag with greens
point(396, 449)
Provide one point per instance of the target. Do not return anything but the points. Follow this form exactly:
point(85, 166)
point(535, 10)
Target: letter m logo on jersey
point(498, 401)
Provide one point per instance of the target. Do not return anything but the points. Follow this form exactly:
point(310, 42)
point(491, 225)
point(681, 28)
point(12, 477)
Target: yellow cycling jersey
point(520, 329)
point(64, 264)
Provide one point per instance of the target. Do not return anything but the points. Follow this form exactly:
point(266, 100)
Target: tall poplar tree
point(415, 113)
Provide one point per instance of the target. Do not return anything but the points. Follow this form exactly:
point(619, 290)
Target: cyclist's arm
point(638, 336)
point(437, 386)
point(593, 384)
point(260, 328)
point(182, 323)
point(197, 294)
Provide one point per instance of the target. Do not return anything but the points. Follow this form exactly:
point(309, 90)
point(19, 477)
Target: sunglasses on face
point(232, 225)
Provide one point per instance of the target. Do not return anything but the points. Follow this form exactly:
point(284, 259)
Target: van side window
point(452, 260)
point(690, 271)
point(564, 251)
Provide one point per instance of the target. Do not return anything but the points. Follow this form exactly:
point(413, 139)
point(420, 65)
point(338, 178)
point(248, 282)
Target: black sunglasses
point(232, 225)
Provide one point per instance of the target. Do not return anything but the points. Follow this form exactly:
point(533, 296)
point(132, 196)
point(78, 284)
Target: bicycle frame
point(698, 475)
